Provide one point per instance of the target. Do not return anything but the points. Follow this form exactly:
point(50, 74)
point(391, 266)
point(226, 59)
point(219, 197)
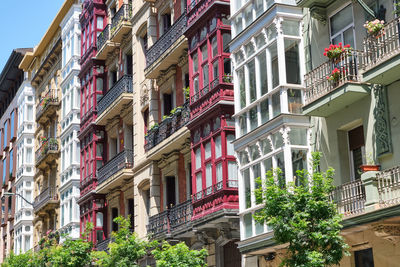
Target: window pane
point(199, 182)
point(205, 75)
point(298, 136)
point(271, 32)
point(226, 38)
point(248, 229)
point(243, 124)
point(341, 19)
point(229, 145)
point(196, 85)
point(268, 164)
point(209, 178)
point(249, 48)
point(244, 159)
point(262, 62)
point(280, 161)
point(195, 62)
point(239, 58)
point(264, 105)
point(204, 52)
point(266, 146)
point(214, 46)
point(207, 150)
point(259, 7)
point(218, 151)
point(294, 99)
point(255, 154)
point(242, 88)
point(232, 173)
point(290, 27)
point(248, 15)
point(253, 118)
point(299, 162)
point(215, 70)
point(256, 174)
point(198, 158)
point(251, 67)
point(277, 140)
point(276, 104)
point(292, 62)
point(247, 190)
point(219, 172)
point(238, 23)
point(274, 65)
point(259, 227)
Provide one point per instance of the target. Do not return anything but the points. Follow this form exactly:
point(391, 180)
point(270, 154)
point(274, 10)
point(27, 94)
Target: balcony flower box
point(334, 76)
point(375, 28)
point(333, 52)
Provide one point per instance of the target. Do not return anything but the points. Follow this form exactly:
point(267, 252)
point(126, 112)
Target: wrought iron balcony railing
point(389, 187)
point(322, 80)
point(49, 194)
point(383, 45)
point(103, 37)
point(124, 13)
point(166, 40)
point(350, 198)
point(171, 219)
point(48, 145)
point(230, 184)
point(51, 98)
point(103, 245)
point(168, 126)
point(121, 161)
point(124, 85)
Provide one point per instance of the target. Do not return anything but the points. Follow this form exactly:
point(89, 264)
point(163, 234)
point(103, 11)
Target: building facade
point(11, 79)
point(25, 160)
point(70, 123)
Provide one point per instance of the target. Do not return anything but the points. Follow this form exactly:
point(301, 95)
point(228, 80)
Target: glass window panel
point(341, 19)
point(238, 24)
point(253, 118)
point(243, 124)
point(208, 177)
point(292, 61)
point(215, 69)
point(195, 62)
point(290, 27)
point(298, 136)
point(203, 32)
point(266, 146)
point(244, 159)
point(268, 164)
point(260, 40)
point(277, 140)
point(276, 104)
point(205, 75)
point(242, 87)
point(247, 190)
point(196, 85)
point(348, 36)
point(256, 174)
point(199, 182)
point(214, 46)
point(219, 172)
point(227, 68)
point(218, 150)
point(207, 150)
point(271, 32)
point(264, 105)
point(294, 101)
point(255, 153)
point(299, 162)
point(259, 7)
point(229, 145)
point(198, 158)
point(213, 24)
point(259, 227)
point(232, 173)
point(249, 48)
point(251, 66)
point(204, 52)
point(274, 65)
point(226, 38)
point(248, 228)
point(239, 58)
point(248, 15)
point(280, 162)
point(262, 63)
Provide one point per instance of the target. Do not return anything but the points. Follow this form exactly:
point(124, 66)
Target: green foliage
point(187, 93)
point(25, 259)
point(179, 255)
point(304, 217)
point(126, 248)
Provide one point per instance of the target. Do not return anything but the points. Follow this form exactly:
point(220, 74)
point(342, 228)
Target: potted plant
point(333, 52)
point(334, 76)
point(375, 27)
point(371, 165)
point(187, 93)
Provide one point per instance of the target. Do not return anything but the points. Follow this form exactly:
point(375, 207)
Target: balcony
point(47, 200)
point(104, 43)
point(115, 100)
point(47, 153)
point(172, 221)
point(218, 90)
point(167, 50)
point(349, 198)
point(115, 171)
point(382, 55)
point(170, 134)
point(48, 106)
point(324, 97)
point(103, 245)
point(121, 23)
point(196, 9)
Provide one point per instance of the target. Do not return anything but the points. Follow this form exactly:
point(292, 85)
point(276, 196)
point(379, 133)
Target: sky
point(24, 24)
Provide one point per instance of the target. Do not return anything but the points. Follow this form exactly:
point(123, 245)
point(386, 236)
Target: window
point(199, 182)
point(166, 20)
point(12, 124)
point(230, 148)
point(208, 178)
point(364, 258)
point(214, 46)
point(207, 150)
point(198, 158)
point(357, 151)
point(11, 162)
point(170, 191)
point(342, 27)
point(29, 158)
point(5, 144)
point(251, 68)
point(4, 171)
point(218, 152)
point(292, 62)
point(114, 214)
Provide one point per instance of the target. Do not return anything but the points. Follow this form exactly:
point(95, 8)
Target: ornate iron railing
point(383, 45)
point(231, 184)
point(45, 196)
point(389, 186)
point(166, 40)
point(171, 219)
point(349, 198)
point(121, 161)
point(48, 145)
point(124, 85)
point(103, 245)
point(226, 79)
point(103, 37)
point(318, 83)
point(124, 13)
point(168, 126)
point(50, 98)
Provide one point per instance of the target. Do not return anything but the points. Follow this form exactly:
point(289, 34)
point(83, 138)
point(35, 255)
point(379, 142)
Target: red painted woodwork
point(91, 136)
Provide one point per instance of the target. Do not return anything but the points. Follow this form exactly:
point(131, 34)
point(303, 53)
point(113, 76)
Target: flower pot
point(370, 168)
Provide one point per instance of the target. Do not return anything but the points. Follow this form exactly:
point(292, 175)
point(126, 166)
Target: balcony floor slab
point(114, 109)
point(115, 180)
point(385, 72)
point(336, 100)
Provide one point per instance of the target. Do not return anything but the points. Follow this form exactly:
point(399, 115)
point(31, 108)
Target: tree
point(303, 217)
point(126, 248)
point(179, 255)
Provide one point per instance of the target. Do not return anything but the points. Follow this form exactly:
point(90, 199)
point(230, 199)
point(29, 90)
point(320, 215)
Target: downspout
point(366, 8)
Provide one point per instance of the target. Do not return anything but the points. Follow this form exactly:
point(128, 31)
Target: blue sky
point(24, 24)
